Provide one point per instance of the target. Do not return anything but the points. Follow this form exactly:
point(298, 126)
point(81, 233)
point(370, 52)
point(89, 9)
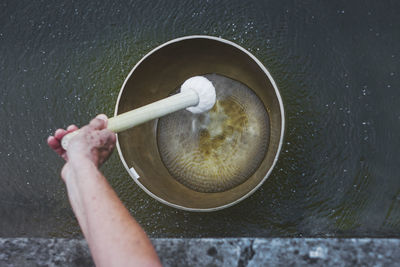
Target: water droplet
point(364, 92)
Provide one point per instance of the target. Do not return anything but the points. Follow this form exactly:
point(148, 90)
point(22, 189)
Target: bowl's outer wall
point(162, 71)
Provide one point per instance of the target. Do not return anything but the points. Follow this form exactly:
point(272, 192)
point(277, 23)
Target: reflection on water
point(335, 63)
point(220, 149)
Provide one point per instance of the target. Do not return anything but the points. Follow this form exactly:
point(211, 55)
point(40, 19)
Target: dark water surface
point(336, 64)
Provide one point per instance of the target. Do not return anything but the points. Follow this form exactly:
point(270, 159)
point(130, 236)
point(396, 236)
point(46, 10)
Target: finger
point(102, 116)
point(107, 136)
point(55, 145)
point(60, 151)
point(99, 123)
point(53, 142)
point(105, 153)
point(72, 128)
point(113, 138)
point(59, 134)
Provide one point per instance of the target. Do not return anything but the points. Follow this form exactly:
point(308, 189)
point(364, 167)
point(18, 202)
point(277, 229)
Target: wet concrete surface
point(336, 64)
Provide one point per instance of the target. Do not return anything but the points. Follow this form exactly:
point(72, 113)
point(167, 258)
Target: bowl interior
point(155, 77)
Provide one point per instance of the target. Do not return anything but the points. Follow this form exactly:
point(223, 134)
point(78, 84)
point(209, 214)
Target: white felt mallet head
point(204, 89)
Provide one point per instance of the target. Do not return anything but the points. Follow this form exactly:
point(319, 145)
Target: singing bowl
point(162, 71)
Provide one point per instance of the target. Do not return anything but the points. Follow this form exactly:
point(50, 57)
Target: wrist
point(78, 162)
point(77, 168)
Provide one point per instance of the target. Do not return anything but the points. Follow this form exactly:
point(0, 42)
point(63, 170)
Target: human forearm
point(83, 181)
point(105, 222)
point(114, 237)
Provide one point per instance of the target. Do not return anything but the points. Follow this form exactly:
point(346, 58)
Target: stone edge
point(215, 252)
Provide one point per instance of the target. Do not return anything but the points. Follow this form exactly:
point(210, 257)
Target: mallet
point(197, 95)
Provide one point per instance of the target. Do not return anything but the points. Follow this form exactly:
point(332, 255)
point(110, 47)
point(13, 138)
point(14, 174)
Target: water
point(220, 149)
point(336, 64)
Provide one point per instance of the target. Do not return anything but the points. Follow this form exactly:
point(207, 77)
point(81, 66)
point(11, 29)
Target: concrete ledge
point(215, 252)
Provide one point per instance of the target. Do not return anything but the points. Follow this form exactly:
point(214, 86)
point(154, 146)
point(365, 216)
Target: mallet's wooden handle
point(146, 113)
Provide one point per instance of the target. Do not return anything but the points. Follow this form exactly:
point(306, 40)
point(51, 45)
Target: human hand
point(93, 143)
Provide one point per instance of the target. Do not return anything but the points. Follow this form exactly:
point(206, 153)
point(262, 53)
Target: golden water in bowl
point(219, 149)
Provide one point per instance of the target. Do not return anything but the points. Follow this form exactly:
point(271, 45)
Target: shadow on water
point(335, 64)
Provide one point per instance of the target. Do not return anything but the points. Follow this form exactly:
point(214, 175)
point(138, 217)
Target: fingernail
point(102, 117)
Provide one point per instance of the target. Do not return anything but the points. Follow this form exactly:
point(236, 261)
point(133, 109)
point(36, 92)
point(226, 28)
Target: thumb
point(100, 122)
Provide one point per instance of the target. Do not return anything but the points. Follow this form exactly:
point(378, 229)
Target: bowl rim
point(133, 173)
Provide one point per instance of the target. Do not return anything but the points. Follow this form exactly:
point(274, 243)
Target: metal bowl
point(154, 77)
